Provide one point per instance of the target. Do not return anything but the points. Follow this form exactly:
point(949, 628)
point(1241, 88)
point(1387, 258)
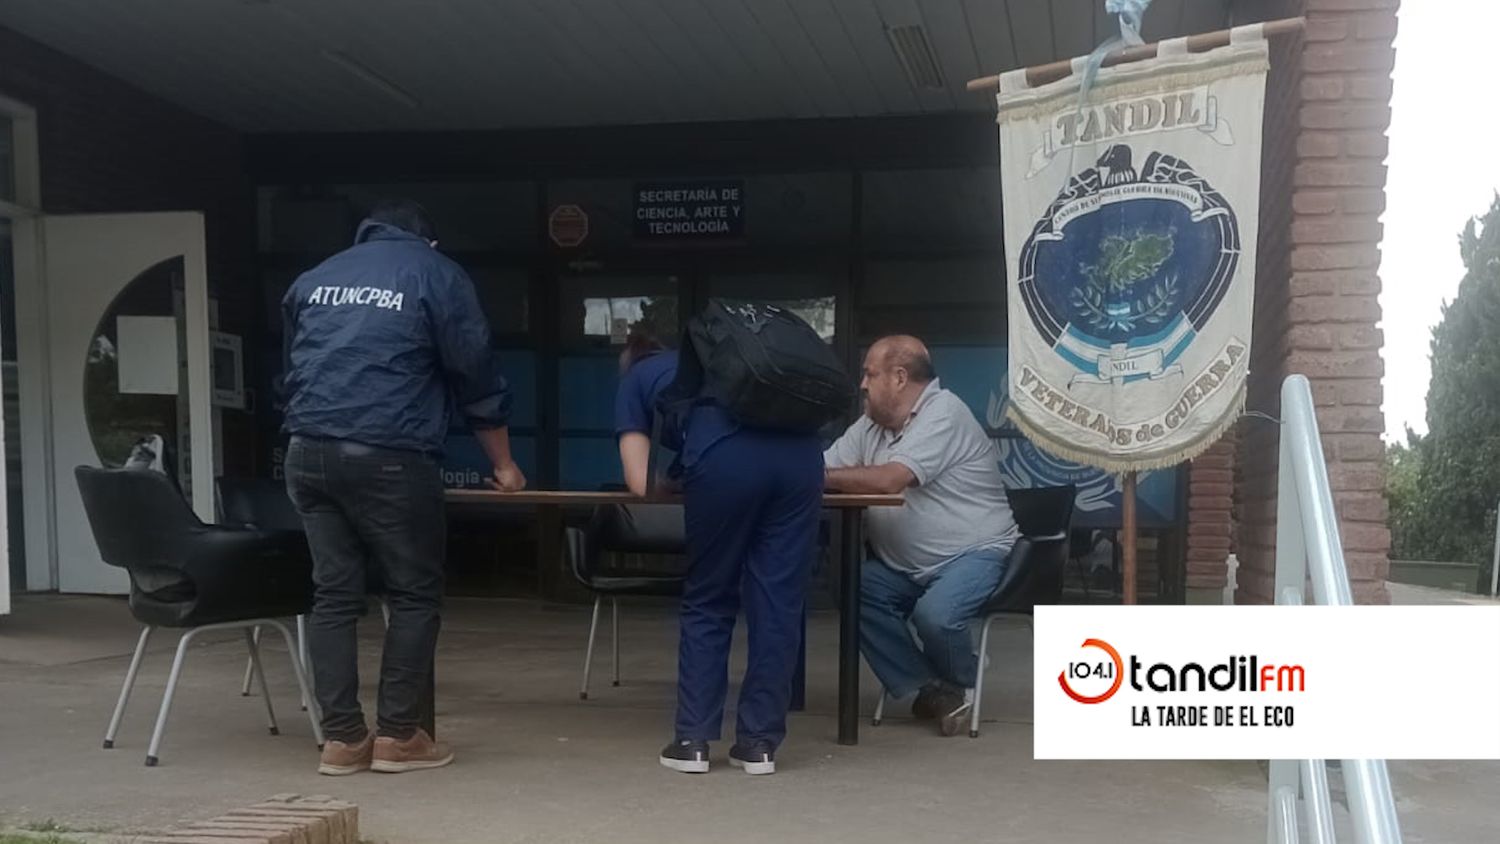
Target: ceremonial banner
point(1130, 229)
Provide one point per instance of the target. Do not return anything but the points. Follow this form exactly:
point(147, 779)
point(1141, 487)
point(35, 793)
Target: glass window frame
point(25, 162)
point(35, 568)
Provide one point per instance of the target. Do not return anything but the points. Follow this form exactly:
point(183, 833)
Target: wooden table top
point(834, 500)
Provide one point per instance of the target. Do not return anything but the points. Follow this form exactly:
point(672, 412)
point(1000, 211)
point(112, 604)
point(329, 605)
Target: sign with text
point(1272, 682)
point(706, 210)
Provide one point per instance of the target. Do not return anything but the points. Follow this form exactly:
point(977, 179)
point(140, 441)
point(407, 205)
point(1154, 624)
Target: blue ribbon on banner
point(1129, 13)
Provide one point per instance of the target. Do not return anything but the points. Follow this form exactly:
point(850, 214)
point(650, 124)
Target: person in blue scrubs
point(751, 502)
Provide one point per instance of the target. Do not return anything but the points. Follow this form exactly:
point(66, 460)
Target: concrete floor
point(535, 764)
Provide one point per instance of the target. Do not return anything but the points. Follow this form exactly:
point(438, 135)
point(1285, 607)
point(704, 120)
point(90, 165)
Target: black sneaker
point(754, 760)
point(688, 757)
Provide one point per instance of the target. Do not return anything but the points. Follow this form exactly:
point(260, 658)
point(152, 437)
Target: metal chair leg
point(588, 655)
point(303, 654)
point(166, 698)
point(615, 609)
point(265, 689)
point(984, 652)
point(879, 708)
point(249, 670)
point(313, 716)
point(130, 675)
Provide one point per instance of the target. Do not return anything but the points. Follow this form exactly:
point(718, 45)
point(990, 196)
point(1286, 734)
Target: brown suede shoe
point(418, 753)
point(341, 759)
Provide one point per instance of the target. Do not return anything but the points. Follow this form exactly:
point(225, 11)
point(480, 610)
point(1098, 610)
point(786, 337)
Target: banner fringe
point(1056, 447)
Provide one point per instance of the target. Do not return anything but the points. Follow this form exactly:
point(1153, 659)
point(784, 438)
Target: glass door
point(12, 518)
point(597, 313)
point(20, 195)
point(128, 359)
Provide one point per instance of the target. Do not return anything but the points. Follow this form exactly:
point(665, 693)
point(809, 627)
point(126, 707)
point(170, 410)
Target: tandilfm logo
point(1235, 674)
point(1082, 670)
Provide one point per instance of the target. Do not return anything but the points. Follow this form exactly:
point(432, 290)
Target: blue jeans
point(940, 609)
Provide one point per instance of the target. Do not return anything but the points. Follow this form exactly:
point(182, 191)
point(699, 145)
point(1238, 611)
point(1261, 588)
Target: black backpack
point(763, 364)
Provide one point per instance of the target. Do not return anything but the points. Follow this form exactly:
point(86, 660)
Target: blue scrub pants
point(751, 506)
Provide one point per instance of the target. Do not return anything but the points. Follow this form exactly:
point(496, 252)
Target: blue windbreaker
point(383, 342)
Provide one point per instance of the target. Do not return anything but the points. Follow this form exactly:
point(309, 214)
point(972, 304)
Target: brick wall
point(106, 146)
point(1210, 516)
point(1316, 306)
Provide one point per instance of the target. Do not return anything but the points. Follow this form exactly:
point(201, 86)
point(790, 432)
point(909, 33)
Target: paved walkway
point(1405, 593)
point(538, 765)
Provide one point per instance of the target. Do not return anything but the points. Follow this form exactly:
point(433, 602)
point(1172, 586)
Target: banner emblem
point(1126, 267)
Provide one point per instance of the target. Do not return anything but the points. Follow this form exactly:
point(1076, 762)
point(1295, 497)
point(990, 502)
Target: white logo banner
point(1274, 682)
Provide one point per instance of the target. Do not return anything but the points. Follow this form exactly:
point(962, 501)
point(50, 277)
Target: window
point(7, 291)
point(505, 295)
point(617, 316)
point(19, 186)
point(798, 209)
point(119, 412)
point(596, 314)
point(469, 216)
point(941, 300)
point(810, 296)
point(925, 210)
point(15, 516)
point(600, 311)
point(7, 158)
point(821, 313)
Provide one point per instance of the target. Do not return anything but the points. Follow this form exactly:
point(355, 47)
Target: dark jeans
point(370, 513)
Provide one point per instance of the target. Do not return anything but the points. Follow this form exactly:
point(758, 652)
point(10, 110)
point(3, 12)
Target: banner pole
point(1127, 542)
point(1043, 73)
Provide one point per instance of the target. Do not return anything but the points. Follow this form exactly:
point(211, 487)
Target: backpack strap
point(651, 453)
point(676, 400)
point(687, 385)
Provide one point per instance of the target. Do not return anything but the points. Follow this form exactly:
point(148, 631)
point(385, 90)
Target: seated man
point(939, 557)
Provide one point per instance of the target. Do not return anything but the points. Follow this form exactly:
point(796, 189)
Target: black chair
point(593, 554)
point(1033, 575)
point(193, 577)
point(263, 504)
point(1082, 545)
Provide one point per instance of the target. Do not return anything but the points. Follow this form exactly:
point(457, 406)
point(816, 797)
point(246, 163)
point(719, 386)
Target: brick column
point(1210, 521)
point(1317, 313)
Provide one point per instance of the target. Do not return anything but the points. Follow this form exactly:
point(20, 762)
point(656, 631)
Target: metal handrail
point(1308, 549)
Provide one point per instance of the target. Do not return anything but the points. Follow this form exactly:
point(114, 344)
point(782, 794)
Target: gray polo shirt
point(958, 503)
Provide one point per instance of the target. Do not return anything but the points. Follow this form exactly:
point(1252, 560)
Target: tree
point(1445, 484)
point(1409, 507)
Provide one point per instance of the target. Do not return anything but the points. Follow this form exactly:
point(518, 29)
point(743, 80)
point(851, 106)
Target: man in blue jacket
point(383, 342)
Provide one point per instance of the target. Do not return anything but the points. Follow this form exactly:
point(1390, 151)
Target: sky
point(1443, 170)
